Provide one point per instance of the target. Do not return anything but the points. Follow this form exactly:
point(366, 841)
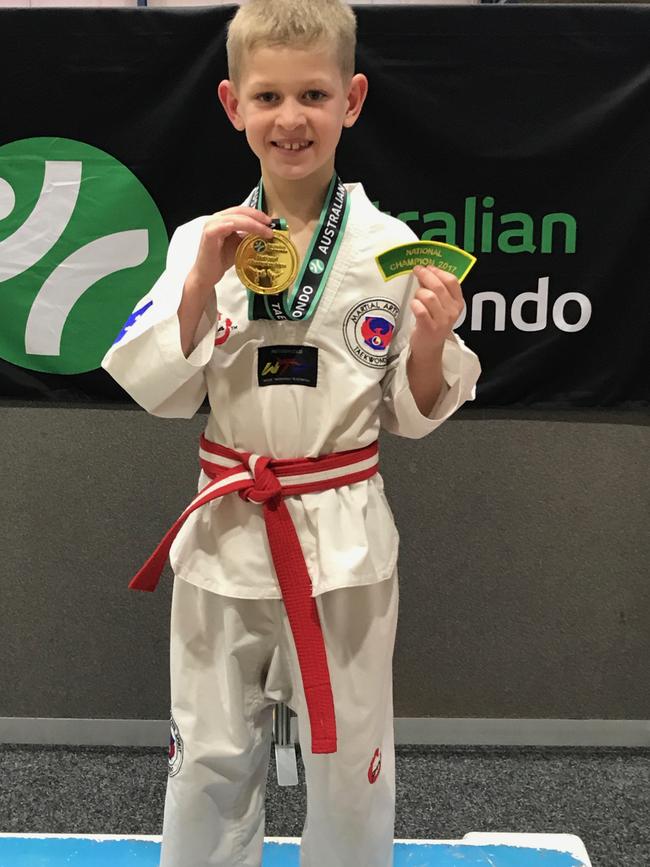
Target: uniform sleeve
point(146, 358)
point(461, 369)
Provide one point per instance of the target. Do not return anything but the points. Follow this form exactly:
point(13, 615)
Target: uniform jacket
point(262, 401)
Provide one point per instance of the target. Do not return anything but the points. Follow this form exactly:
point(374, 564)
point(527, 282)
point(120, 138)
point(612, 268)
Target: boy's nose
point(291, 115)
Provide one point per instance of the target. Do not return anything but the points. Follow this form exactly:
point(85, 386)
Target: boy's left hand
point(437, 304)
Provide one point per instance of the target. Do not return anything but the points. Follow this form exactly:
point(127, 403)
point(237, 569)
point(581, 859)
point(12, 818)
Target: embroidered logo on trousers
point(175, 750)
point(374, 767)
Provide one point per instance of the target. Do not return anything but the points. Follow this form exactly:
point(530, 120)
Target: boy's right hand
point(222, 234)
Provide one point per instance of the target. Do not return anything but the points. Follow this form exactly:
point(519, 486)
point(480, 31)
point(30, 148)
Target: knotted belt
point(267, 481)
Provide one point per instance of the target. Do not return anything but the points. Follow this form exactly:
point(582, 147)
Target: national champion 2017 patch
point(369, 328)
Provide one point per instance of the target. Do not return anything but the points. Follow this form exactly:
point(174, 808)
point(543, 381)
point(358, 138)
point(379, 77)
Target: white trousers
point(231, 660)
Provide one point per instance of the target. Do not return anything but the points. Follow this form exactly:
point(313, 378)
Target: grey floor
point(602, 795)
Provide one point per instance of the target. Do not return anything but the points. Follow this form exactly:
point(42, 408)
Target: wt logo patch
point(287, 365)
point(375, 767)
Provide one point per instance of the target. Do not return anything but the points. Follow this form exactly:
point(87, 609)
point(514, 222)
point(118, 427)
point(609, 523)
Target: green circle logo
point(317, 266)
point(81, 240)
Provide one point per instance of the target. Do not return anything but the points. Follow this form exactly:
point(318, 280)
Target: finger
point(424, 320)
point(428, 278)
point(419, 310)
point(438, 280)
point(433, 304)
point(437, 288)
point(443, 316)
point(431, 282)
point(450, 282)
point(246, 211)
point(220, 227)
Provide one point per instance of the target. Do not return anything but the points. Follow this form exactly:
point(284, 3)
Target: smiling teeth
point(295, 146)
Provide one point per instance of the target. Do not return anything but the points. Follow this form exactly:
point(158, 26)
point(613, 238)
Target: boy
point(288, 592)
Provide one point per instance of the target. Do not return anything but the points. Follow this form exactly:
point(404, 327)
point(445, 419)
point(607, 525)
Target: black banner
point(519, 133)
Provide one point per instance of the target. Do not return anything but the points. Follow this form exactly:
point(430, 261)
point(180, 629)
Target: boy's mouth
point(292, 145)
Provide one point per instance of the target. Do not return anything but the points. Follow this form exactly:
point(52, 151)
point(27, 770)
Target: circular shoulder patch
point(369, 328)
point(175, 750)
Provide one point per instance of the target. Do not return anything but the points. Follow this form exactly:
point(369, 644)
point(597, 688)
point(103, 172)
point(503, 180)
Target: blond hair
point(295, 23)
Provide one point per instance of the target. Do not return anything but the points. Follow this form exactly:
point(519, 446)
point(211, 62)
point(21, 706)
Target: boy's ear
point(230, 102)
point(356, 98)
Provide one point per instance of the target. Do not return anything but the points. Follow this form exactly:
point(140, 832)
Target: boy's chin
point(297, 172)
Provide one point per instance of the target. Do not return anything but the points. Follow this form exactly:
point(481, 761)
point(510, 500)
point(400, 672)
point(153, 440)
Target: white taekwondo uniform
point(232, 654)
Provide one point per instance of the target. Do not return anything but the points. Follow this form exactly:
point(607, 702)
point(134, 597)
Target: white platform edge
point(555, 842)
point(431, 731)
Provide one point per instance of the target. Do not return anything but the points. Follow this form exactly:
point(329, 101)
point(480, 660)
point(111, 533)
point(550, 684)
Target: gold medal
point(267, 266)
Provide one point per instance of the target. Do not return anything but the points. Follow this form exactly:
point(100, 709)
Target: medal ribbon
point(300, 301)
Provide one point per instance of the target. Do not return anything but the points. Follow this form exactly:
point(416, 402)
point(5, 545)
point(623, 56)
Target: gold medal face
point(267, 267)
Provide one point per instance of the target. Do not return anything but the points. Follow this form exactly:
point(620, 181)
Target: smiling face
point(293, 103)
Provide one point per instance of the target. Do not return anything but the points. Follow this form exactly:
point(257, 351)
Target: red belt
point(267, 481)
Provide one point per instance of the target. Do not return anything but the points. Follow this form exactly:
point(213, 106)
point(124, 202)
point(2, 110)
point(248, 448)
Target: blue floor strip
point(77, 852)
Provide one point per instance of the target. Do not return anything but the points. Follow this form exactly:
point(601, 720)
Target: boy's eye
point(268, 96)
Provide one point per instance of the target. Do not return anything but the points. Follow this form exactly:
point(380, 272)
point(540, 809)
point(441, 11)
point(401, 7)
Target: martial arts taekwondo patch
point(368, 329)
point(287, 365)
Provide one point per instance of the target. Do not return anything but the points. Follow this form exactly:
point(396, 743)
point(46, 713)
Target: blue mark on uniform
point(132, 318)
point(76, 852)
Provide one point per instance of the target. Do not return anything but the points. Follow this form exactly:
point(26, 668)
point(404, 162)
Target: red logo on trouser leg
point(375, 767)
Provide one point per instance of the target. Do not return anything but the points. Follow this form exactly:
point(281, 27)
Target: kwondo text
point(481, 231)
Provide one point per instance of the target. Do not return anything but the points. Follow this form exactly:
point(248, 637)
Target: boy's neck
point(298, 201)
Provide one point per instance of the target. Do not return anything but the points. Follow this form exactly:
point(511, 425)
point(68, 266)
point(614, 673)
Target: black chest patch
point(287, 365)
